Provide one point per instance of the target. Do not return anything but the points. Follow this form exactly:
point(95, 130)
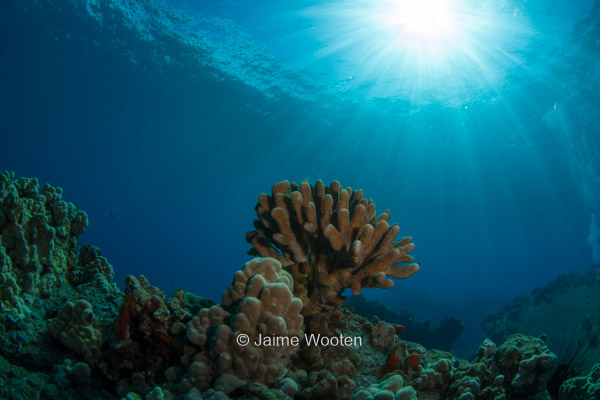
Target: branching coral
point(329, 239)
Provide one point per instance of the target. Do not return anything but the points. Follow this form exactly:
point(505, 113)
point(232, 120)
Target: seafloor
point(68, 332)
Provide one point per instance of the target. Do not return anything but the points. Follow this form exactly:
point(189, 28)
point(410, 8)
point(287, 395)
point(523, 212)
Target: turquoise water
point(166, 120)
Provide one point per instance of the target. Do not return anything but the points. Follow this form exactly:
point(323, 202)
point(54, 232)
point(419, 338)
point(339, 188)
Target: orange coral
point(329, 239)
point(122, 323)
point(413, 360)
point(392, 360)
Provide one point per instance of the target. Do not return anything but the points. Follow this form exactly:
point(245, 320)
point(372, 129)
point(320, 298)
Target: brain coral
point(329, 239)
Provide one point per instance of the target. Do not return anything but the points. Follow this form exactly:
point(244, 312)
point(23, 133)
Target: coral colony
point(279, 332)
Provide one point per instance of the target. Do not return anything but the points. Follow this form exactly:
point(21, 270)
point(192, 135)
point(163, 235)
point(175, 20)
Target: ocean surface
point(164, 121)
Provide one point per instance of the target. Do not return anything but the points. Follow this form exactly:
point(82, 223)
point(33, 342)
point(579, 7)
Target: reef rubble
point(68, 332)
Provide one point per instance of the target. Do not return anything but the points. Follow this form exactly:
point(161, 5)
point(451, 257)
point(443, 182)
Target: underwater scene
point(343, 199)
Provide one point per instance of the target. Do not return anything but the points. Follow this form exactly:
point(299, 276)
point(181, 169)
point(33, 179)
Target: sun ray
point(398, 46)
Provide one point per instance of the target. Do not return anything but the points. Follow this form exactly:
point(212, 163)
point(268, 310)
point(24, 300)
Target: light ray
point(425, 50)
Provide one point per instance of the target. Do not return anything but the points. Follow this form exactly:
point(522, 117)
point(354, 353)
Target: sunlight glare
point(425, 26)
point(423, 50)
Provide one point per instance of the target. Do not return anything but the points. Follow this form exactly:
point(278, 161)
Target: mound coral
point(259, 302)
point(39, 234)
point(74, 327)
point(583, 387)
point(329, 239)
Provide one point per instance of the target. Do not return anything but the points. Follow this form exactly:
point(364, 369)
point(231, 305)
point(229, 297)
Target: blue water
point(164, 121)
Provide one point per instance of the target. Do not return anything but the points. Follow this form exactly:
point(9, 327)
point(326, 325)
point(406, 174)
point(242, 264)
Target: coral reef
point(62, 320)
point(148, 336)
point(39, 240)
point(75, 328)
point(439, 337)
point(329, 239)
point(387, 367)
point(68, 332)
point(583, 387)
point(92, 268)
point(526, 365)
point(45, 320)
point(576, 299)
point(260, 305)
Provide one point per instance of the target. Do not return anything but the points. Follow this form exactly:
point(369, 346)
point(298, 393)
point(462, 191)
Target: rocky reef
point(440, 337)
point(279, 331)
point(575, 297)
point(566, 313)
point(582, 387)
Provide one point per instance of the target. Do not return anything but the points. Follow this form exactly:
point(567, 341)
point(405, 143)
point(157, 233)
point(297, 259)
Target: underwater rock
point(476, 379)
point(520, 368)
point(383, 335)
point(570, 297)
point(320, 385)
point(329, 239)
point(583, 387)
point(440, 337)
point(254, 391)
point(526, 365)
point(72, 374)
point(149, 336)
point(574, 301)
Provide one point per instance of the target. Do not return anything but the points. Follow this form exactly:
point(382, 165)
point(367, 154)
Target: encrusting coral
point(149, 335)
point(329, 239)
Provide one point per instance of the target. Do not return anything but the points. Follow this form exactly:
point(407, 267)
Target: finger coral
point(329, 239)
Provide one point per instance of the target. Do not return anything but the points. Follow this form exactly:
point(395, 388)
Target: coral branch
point(329, 239)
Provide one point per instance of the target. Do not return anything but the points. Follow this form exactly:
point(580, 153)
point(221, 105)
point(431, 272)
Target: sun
point(422, 50)
point(429, 27)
